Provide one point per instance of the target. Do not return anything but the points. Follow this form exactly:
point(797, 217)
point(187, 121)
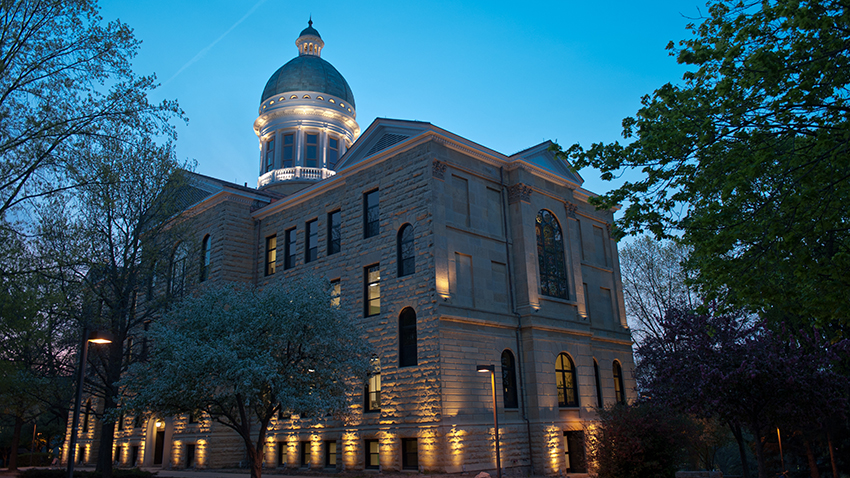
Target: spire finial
point(310, 21)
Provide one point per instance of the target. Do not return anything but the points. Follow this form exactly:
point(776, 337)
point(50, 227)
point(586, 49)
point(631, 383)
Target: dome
point(310, 31)
point(308, 73)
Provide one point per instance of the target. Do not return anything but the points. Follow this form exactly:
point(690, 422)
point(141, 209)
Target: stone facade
point(477, 290)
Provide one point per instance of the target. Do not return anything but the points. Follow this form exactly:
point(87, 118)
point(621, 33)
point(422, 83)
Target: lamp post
point(97, 337)
point(492, 369)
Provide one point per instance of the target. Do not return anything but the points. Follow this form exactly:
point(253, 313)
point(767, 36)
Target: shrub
point(640, 440)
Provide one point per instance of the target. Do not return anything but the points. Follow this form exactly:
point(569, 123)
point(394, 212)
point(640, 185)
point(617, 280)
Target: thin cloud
point(209, 47)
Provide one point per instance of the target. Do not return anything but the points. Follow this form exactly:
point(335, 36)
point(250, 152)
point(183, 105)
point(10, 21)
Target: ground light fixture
point(492, 369)
point(95, 337)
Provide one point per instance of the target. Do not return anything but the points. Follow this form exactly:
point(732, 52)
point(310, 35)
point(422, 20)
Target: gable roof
point(541, 156)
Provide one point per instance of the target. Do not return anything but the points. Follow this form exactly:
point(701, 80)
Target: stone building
point(452, 255)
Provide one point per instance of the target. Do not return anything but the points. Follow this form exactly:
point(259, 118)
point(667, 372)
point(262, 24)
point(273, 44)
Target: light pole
point(96, 337)
point(492, 369)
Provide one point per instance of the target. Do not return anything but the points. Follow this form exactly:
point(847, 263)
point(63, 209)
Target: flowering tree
point(241, 355)
point(728, 367)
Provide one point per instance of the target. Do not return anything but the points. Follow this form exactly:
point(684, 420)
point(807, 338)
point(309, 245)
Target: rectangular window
point(372, 294)
point(330, 454)
point(311, 249)
point(306, 450)
point(270, 154)
point(288, 150)
point(281, 453)
point(311, 150)
point(574, 452)
point(373, 387)
point(499, 283)
point(373, 455)
point(409, 454)
point(333, 152)
point(289, 249)
point(271, 254)
point(335, 292)
point(334, 233)
point(586, 300)
point(190, 455)
point(493, 212)
point(193, 416)
point(371, 214)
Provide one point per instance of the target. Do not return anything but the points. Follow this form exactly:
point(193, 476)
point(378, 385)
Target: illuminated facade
point(449, 254)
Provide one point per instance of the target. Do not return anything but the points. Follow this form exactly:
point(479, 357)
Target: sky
point(505, 74)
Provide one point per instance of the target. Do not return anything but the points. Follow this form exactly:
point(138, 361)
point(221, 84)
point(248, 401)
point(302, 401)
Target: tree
point(241, 355)
point(728, 367)
point(64, 77)
point(108, 239)
point(749, 158)
point(36, 349)
point(640, 440)
point(654, 280)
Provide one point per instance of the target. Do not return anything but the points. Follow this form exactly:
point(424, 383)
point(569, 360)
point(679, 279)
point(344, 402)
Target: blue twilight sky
point(505, 74)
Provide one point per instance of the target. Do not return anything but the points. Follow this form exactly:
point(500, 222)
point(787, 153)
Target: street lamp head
point(486, 368)
point(100, 337)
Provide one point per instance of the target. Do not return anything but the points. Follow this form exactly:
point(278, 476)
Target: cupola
point(306, 119)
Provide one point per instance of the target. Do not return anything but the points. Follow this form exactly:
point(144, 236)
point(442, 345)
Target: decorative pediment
point(541, 157)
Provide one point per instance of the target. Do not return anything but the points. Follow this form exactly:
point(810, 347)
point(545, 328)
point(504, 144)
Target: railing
point(298, 172)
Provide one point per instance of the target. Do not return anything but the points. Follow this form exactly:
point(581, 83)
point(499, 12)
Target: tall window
point(333, 152)
point(205, 258)
point(271, 254)
point(574, 452)
point(550, 255)
point(407, 354)
point(373, 460)
point(619, 388)
point(311, 150)
point(178, 269)
point(270, 154)
point(289, 249)
point(335, 292)
point(509, 388)
point(406, 261)
point(565, 379)
point(373, 387)
point(311, 251)
point(599, 401)
point(306, 454)
point(86, 416)
point(281, 453)
point(409, 454)
point(330, 454)
point(288, 150)
point(372, 298)
point(371, 214)
point(334, 233)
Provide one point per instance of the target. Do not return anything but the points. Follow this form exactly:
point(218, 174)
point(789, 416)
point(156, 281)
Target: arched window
point(373, 387)
point(177, 282)
point(565, 379)
point(619, 388)
point(205, 258)
point(86, 416)
point(550, 256)
point(599, 402)
point(407, 338)
point(509, 387)
point(406, 261)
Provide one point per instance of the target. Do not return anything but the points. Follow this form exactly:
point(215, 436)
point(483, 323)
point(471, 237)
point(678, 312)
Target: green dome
point(308, 73)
